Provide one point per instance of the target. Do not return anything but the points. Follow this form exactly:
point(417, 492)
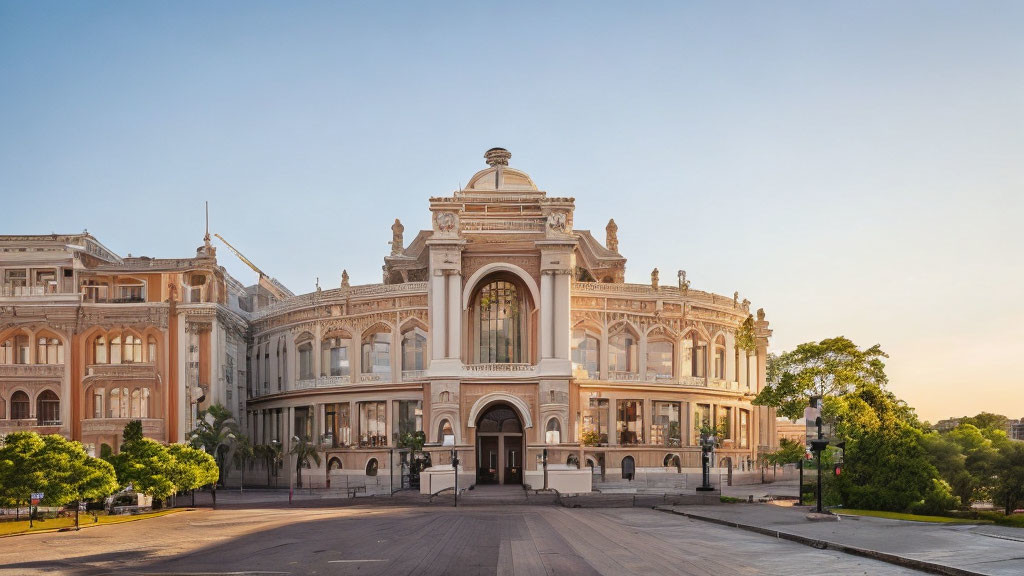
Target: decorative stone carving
point(760, 314)
point(497, 157)
point(736, 299)
point(397, 241)
point(654, 278)
point(344, 279)
point(684, 284)
point(746, 305)
point(612, 236)
point(557, 222)
point(446, 222)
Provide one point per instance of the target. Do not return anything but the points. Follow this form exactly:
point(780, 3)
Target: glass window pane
point(630, 421)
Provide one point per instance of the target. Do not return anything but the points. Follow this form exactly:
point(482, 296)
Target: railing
point(624, 376)
point(370, 377)
point(481, 225)
point(150, 426)
point(408, 375)
point(134, 371)
point(36, 292)
point(501, 369)
point(32, 370)
point(21, 423)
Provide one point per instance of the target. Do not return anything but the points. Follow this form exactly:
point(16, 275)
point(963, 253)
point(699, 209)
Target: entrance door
point(499, 447)
point(487, 460)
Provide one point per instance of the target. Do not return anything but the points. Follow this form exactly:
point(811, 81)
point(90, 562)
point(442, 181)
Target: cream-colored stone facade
point(501, 332)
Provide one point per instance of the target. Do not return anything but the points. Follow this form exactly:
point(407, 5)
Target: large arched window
point(498, 317)
point(414, 350)
point(7, 352)
point(720, 358)
point(305, 360)
point(586, 351)
point(117, 406)
point(151, 350)
point(21, 349)
point(99, 350)
point(140, 403)
point(623, 354)
point(132, 349)
point(49, 350)
point(659, 360)
point(376, 357)
point(19, 406)
point(334, 356)
point(695, 351)
point(47, 409)
point(115, 349)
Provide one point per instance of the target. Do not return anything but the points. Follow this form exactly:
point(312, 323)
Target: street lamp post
point(707, 443)
point(817, 446)
point(455, 466)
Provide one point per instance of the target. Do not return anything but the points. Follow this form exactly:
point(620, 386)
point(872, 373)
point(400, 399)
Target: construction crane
point(271, 285)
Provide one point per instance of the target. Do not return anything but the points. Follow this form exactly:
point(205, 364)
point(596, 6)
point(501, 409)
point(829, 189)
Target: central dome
point(498, 176)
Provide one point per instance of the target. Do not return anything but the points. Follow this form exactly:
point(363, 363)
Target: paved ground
point(510, 540)
point(978, 549)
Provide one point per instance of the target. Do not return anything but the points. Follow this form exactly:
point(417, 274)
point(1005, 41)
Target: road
point(508, 540)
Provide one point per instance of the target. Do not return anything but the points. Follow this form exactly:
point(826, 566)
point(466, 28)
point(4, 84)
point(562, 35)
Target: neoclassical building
point(501, 332)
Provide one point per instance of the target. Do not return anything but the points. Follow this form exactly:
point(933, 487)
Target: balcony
point(500, 369)
point(371, 377)
point(624, 376)
point(322, 382)
point(30, 425)
point(412, 375)
point(152, 427)
point(136, 371)
point(31, 370)
point(38, 293)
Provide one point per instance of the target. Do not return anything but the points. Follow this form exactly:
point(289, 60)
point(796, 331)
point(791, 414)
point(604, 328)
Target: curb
point(826, 545)
point(96, 525)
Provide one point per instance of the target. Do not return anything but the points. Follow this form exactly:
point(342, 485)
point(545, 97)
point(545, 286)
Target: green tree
point(271, 456)
point(789, 452)
point(59, 468)
point(304, 451)
point(191, 468)
point(746, 338)
point(147, 466)
point(832, 367)
point(1008, 489)
point(987, 420)
point(980, 463)
point(132, 431)
point(244, 452)
point(945, 454)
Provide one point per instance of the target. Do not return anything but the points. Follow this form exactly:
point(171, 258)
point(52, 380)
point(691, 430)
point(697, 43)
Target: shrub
point(937, 500)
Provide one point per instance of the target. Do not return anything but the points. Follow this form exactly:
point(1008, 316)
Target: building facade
point(502, 332)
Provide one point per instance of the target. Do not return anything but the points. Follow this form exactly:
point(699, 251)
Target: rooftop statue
point(612, 238)
point(654, 278)
point(397, 240)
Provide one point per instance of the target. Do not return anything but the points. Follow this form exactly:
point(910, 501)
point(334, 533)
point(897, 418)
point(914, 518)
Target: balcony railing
point(322, 382)
point(371, 377)
point(408, 375)
point(134, 371)
point(153, 427)
point(38, 292)
point(624, 376)
point(32, 370)
point(500, 369)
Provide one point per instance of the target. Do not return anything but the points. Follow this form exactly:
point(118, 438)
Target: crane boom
point(264, 280)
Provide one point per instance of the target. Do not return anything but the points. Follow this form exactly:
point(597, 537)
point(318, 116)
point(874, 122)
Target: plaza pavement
point(502, 540)
point(957, 549)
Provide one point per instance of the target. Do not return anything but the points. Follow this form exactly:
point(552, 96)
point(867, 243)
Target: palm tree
point(243, 453)
point(216, 432)
point(304, 451)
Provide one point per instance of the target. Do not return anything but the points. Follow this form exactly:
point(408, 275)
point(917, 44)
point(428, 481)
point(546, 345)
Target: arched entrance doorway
point(499, 446)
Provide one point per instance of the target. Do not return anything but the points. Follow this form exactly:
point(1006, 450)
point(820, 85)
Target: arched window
point(553, 433)
point(305, 360)
point(672, 461)
point(117, 407)
point(586, 352)
point(623, 354)
point(47, 409)
point(49, 351)
point(19, 406)
point(628, 468)
point(151, 350)
point(282, 363)
point(99, 350)
point(444, 430)
point(132, 349)
point(334, 464)
point(720, 357)
point(695, 355)
point(414, 350)
point(659, 360)
point(7, 352)
point(498, 316)
point(573, 460)
point(371, 467)
point(21, 349)
point(334, 357)
point(376, 357)
point(115, 349)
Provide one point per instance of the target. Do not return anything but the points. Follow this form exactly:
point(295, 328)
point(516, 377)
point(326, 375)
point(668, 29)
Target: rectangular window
point(409, 417)
point(377, 354)
point(659, 360)
point(666, 429)
point(630, 421)
point(725, 423)
point(373, 424)
point(303, 423)
point(744, 428)
point(622, 354)
point(595, 419)
point(338, 424)
point(585, 354)
point(131, 293)
point(21, 347)
point(97, 405)
point(305, 362)
point(701, 417)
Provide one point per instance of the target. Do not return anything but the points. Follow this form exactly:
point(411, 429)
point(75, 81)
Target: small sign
point(36, 497)
point(81, 506)
point(448, 440)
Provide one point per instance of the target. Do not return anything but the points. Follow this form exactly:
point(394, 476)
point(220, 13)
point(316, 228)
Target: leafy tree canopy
point(191, 468)
point(832, 367)
point(147, 465)
point(58, 467)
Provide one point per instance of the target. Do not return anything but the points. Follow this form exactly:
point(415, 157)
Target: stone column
point(438, 316)
point(454, 316)
point(730, 357)
point(545, 334)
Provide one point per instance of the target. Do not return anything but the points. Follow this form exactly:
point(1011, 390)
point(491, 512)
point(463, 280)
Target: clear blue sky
point(853, 168)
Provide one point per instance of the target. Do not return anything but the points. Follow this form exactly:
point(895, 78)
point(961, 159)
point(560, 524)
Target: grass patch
point(84, 521)
point(731, 500)
point(1015, 520)
point(911, 517)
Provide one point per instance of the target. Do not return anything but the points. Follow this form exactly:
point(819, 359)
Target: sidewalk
point(957, 549)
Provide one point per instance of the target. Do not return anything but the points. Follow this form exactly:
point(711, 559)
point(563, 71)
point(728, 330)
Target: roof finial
point(206, 238)
point(497, 157)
